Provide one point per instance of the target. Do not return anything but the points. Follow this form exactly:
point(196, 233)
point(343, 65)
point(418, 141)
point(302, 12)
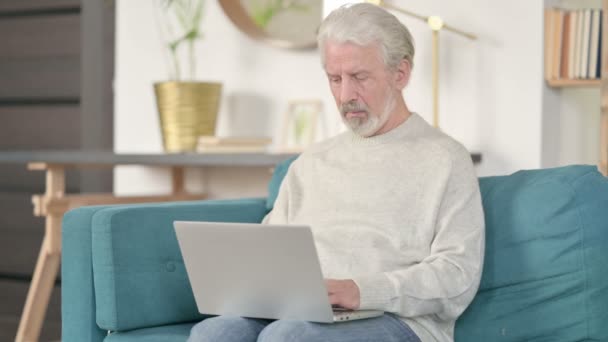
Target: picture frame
point(299, 125)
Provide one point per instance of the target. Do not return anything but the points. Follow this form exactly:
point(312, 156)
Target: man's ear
point(403, 73)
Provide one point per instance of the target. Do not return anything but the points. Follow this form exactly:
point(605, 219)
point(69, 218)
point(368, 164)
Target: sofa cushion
point(165, 333)
point(139, 274)
point(545, 273)
point(275, 182)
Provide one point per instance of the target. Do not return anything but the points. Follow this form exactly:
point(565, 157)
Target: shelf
point(109, 158)
point(562, 83)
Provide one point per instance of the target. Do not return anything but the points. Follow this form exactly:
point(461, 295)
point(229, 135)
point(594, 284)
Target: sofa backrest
point(546, 260)
point(545, 272)
point(275, 182)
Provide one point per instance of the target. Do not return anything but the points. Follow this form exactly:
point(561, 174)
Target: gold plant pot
point(187, 110)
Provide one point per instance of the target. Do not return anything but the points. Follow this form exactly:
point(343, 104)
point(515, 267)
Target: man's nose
point(347, 91)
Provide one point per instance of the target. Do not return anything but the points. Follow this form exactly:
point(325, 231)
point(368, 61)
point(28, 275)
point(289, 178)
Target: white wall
point(571, 126)
point(491, 89)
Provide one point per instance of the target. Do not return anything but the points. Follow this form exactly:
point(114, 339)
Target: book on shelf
point(578, 40)
point(594, 44)
point(213, 140)
point(208, 144)
point(572, 46)
point(565, 50)
point(586, 36)
point(231, 149)
point(598, 70)
point(573, 40)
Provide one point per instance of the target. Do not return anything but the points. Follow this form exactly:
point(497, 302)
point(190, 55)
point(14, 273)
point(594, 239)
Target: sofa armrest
point(77, 294)
point(122, 266)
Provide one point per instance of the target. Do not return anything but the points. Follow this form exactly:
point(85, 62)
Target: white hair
point(364, 24)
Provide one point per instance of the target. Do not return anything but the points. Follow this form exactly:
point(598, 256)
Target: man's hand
point(343, 293)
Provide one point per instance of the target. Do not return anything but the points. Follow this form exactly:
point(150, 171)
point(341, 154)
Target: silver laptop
point(256, 270)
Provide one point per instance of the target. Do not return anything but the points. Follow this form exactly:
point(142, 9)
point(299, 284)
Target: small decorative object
point(299, 125)
point(187, 109)
point(214, 144)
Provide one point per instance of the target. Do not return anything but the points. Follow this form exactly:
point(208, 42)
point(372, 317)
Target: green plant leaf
point(187, 15)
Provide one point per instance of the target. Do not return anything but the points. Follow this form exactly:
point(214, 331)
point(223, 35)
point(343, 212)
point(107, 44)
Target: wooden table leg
point(177, 180)
point(47, 265)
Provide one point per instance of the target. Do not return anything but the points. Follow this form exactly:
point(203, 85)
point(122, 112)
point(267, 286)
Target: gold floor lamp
point(435, 23)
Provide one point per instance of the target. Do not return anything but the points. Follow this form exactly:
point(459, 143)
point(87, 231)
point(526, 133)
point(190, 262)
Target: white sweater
point(400, 214)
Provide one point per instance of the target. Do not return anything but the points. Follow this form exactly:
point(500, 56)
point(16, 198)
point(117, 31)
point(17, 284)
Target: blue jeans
point(386, 328)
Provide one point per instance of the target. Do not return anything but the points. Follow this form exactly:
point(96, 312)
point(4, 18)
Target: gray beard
point(363, 126)
point(370, 124)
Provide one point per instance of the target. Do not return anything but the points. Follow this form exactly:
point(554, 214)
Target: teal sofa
point(545, 276)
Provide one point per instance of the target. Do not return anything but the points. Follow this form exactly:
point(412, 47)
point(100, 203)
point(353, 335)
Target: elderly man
point(393, 203)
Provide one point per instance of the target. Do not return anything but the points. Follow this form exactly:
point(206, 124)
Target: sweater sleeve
point(445, 282)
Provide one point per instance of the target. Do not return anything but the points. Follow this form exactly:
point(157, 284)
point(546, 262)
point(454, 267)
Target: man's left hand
point(343, 293)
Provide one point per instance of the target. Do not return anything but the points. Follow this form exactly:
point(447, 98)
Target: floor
point(12, 297)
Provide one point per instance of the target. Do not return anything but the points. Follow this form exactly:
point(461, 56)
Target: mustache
point(353, 106)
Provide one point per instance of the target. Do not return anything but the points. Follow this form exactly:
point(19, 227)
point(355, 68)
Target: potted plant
point(187, 109)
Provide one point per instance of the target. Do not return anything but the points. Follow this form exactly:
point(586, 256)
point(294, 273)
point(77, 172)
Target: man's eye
point(360, 77)
point(336, 79)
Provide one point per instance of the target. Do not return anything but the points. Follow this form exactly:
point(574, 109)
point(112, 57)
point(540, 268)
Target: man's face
point(364, 89)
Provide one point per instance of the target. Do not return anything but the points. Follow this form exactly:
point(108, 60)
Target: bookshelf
point(559, 72)
point(556, 83)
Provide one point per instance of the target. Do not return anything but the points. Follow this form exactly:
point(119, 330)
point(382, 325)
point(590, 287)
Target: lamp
point(435, 23)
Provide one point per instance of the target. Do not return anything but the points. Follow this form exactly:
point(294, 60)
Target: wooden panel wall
point(40, 109)
point(39, 57)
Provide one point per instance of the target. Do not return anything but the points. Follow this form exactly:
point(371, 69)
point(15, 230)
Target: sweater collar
point(393, 135)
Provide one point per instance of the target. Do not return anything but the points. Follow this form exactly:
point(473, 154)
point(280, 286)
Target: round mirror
point(284, 23)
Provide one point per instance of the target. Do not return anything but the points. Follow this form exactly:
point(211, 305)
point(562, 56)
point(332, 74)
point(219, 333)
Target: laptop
point(258, 271)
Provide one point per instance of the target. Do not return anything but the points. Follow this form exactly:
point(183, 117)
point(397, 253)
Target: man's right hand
point(343, 293)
